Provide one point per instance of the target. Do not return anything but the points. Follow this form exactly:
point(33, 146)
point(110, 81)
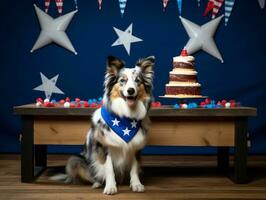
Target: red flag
point(214, 6)
point(59, 5)
point(47, 4)
point(165, 2)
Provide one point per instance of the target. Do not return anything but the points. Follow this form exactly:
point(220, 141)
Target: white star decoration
point(201, 37)
point(134, 124)
point(53, 30)
point(115, 122)
point(48, 86)
point(126, 131)
point(125, 38)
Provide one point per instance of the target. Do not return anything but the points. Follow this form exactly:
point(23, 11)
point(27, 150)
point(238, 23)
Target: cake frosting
point(183, 80)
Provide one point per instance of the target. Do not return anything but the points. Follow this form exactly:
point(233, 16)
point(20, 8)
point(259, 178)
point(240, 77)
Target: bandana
point(125, 128)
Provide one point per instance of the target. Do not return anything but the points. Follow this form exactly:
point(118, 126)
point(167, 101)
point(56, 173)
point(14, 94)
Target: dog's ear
point(146, 66)
point(114, 65)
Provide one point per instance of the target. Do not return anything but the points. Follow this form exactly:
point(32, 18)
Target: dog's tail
point(76, 169)
point(61, 177)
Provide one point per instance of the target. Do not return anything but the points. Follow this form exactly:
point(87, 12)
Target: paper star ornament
point(201, 37)
point(48, 86)
point(125, 38)
point(53, 30)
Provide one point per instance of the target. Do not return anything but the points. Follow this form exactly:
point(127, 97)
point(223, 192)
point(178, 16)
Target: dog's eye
point(137, 80)
point(122, 80)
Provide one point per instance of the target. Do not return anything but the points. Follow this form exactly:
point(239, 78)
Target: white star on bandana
point(134, 124)
point(126, 131)
point(115, 122)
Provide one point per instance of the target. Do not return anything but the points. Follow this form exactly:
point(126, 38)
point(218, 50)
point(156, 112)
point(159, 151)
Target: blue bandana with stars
point(125, 128)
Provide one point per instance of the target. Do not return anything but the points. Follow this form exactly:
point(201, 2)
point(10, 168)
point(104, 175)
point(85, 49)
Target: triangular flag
point(214, 6)
point(208, 8)
point(122, 5)
point(198, 3)
point(217, 5)
point(100, 4)
point(165, 2)
point(228, 7)
point(179, 5)
point(47, 5)
point(262, 3)
point(59, 5)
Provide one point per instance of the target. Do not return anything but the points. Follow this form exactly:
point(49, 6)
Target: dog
point(118, 131)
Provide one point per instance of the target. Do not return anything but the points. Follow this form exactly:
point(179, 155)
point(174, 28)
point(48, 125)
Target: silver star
point(53, 30)
point(201, 37)
point(134, 124)
point(48, 86)
point(126, 131)
point(125, 38)
point(115, 122)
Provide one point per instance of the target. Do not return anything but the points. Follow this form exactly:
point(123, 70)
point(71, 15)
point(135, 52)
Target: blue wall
point(241, 77)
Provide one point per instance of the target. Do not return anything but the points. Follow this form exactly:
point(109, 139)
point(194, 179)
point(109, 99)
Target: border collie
point(118, 130)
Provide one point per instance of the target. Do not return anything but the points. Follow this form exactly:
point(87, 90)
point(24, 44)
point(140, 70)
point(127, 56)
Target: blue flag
point(125, 128)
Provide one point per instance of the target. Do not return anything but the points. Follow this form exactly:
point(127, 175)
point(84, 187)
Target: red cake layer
point(177, 90)
point(183, 78)
point(183, 65)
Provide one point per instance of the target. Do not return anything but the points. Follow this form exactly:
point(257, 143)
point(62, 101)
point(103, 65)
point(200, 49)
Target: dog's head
point(129, 90)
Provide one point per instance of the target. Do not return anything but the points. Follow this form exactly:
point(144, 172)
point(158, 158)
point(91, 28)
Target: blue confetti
point(176, 106)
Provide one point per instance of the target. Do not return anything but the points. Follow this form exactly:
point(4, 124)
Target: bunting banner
point(228, 7)
point(179, 5)
point(165, 2)
point(59, 5)
point(262, 3)
point(214, 6)
point(198, 3)
point(100, 4)
point(76, 4)
point(47, 5)
point(122, 5)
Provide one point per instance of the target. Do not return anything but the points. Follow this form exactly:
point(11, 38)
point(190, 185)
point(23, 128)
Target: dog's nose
point(131, 91)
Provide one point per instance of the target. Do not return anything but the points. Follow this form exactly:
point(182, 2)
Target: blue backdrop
point(242, 44)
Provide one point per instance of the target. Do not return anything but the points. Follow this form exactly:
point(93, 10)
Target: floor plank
point(168, 177)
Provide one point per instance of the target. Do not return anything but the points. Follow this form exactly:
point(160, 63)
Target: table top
point(163, 111)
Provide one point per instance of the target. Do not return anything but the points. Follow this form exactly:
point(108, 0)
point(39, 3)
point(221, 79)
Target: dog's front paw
point(137, 187)
point(109, 190)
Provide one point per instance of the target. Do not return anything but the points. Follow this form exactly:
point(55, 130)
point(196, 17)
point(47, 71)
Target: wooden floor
point(183, 177)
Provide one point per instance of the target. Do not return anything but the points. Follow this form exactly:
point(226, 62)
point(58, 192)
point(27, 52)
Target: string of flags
point(214, 6)
point(100, 4)
point(122, 5)
point(262, 3)
point(59, 5)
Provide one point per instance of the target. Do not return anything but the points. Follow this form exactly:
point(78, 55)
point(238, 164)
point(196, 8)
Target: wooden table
point(221, 128)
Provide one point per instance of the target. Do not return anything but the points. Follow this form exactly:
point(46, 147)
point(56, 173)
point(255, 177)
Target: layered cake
point(183, 78)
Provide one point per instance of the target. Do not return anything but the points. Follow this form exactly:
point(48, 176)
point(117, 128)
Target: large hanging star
point(48, 86)
point(125, 38)
point(201, 37)
point(53, 30)
point(126, 131)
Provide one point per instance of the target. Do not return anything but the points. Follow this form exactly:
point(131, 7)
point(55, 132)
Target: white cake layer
point(177, 71)
point(176, 83)
point(184, 59)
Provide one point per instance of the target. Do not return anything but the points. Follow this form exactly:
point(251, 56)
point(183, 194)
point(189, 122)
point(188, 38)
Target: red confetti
point(77, 100)
point(67, 99)
point(39, 100)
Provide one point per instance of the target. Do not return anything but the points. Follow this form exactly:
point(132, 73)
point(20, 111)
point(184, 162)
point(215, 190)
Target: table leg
point(240, 168)
point(27, 150)
point(223, 159)
point(40, 155)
